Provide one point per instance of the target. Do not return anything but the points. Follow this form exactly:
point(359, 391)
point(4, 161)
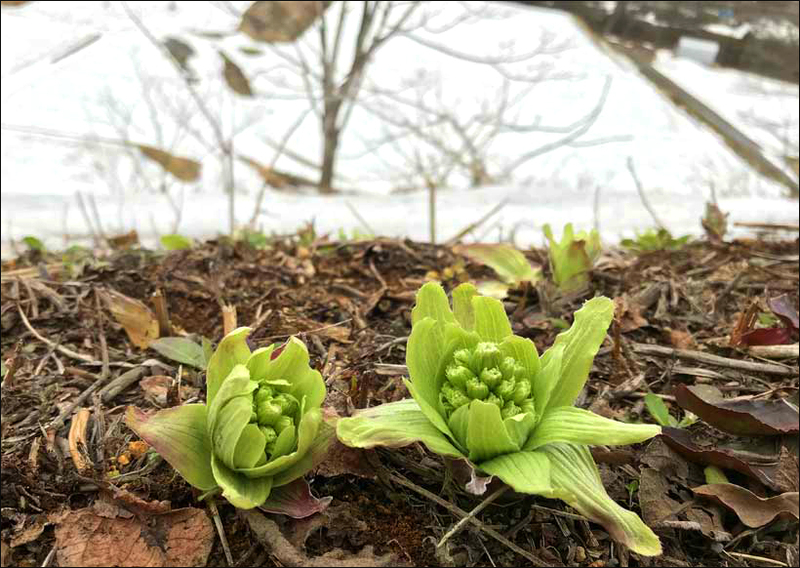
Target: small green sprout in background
point(714, 474)
point(660, 413)
point(652, 240)
point(176, 242)
point(34, 244)
point(573, 257)
point(484, 396)
point(510, 265)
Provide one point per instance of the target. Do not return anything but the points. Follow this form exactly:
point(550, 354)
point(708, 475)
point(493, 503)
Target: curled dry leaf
point(748, 417)
point(138, 321)
point(235, 77)
point(183, 537)
point(680, 441)
point(295, 500)
point(754, 511)
point(182, 168)
point(783, 307)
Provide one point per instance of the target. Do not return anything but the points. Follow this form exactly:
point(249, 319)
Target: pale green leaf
point(425, 355)
point(285, 443)
point(180, 436)
point(519, 427)
point(523, 351)
point(491, 321)
point(458, 422)
point(182, 350)
point(578, 426)
point(315, 454)
point(306, 434)
point(581, 343)
point(509, 263)
point(292, 365)
point(486, 434)
point(34, 244)
point(242, 492)
point(176, 242)
point(493, 289)
point(525, 472)
point(574, 475)
point(258, 362)
point(547, 378)
point(394, 425)
point(658, 410)
point(230, 413)
point(462, 305)
point(232, 351)
point(250, 447)
point(432, 302)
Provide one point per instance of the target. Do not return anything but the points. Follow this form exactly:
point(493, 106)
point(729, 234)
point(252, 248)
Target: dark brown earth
point(350, 302)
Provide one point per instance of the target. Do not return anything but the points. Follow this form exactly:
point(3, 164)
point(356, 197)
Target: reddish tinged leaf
point(783, 307)
point(681, 441)
point(744, 417)
point(767, 336)
point(753, 510)
point(295, 500)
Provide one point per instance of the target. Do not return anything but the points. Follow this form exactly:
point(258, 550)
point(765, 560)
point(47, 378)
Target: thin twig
point(221, 530)
point(642, 196)
point(56, 424)
point(459, 512)
point(361, 219)
point(463, 522)
point(658, 350)
point(750, 557)
point(61, 349)
point(472, 226)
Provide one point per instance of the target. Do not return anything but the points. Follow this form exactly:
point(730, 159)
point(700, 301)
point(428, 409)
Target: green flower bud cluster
point(483, 373)
point(273, 411)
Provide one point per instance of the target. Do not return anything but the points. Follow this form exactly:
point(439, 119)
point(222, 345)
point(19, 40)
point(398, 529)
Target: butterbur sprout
point(260, 429)
point(482, 394)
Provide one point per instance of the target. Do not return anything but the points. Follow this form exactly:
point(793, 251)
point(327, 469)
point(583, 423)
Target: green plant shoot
point(260, 429)
point(573, 257)
point(651, 241)
point(510, 265)
point(484, 395)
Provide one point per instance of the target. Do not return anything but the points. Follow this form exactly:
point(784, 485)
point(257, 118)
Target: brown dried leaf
point(784, 308)
point(654, 501)
point(182, 168)
point(157, 388)
point(138, 321)
point(235, 77)
point(5, 554)
point(681, 441)
point(754, 511)
point(30, 533)
point(183, 537)
point(629, 314)
point(280, 21)
point(681, 339)
point(745, 417)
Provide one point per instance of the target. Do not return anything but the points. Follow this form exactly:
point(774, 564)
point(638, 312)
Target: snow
point(63, 121)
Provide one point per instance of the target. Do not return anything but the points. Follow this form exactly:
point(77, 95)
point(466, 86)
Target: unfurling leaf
point(182, 168)
point(573, 257)
point(509, 263)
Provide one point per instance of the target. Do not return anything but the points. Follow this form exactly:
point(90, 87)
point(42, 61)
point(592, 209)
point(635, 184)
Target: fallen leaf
point(30, 533)
point(182, 350)
point(744, 417)
point(681, 339)
point(681, 441)
point(767, 336)
point(183, 537)
point(654, 500)
point(138, 321)
point(344, 460)
point(629, 314)
point(295, 500)
point(754, 511)
point(184, 169)
point(783, 307)
point(235, 77)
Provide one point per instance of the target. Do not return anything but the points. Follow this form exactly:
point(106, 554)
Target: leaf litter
point(350, 302)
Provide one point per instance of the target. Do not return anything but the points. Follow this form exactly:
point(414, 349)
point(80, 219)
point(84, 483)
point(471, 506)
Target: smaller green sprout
point(573, 257)
point(651, 241)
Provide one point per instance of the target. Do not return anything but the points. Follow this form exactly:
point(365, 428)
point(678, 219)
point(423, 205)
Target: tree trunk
point(331, 146)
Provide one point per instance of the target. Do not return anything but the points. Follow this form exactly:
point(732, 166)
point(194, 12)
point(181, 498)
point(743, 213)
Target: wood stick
point(659, 351)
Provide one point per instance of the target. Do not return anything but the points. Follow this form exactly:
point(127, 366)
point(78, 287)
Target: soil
point(350, 302)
